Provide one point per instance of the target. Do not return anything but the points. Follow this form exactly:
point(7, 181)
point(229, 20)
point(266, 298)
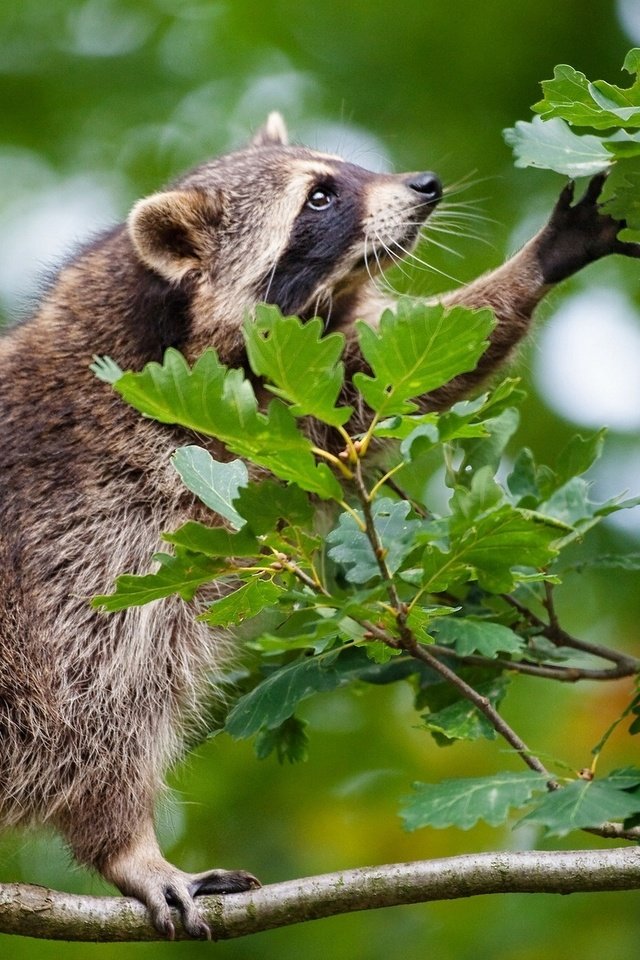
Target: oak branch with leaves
point(459, 603)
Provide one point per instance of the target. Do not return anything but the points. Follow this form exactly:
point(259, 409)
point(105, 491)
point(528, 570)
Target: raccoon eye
point(320, 198)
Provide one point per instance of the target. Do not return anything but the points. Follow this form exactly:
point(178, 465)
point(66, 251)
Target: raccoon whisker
point(366, 262)
point(396, 260)
point(443, 246)
point(383, 283)
point(324, 306)
point(464, 183)
point(454, 218)
point(378, 278)
point(453, 230)
point(461, 231)
point(270, 281)
point(410, 255)
point(447, 213)
point(458, 233)
point(473, 204)
point(329, 311)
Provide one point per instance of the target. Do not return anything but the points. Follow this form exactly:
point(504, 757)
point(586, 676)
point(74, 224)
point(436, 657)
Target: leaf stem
point(354, 515)
point(384, 479)
point(366, 440)
point(349, 444)
point(335, 461)
point(399, 608)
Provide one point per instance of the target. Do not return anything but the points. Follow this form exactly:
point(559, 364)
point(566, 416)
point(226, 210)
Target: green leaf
point(552, 145)
point(622, 146)
point(213, 400)
point(462, 720)
point(289, 741)
point(422, 438)
point(264, 504)
point(623, 103)
point(623, 188)
point(483, 495)
point(351, 547)
point(247, 601)
point(488, 450)
point(523, 479)
point(570, 503)
point(626, 778)
point(503, 539)
point(303, 629)
point(583, 803)
point(476, 636)
point(570, 96)
point(276, 698)
point(487, 540)
point(461, 803)
point(579, 454)
point(213, 541)
point(215, 483)
point(417, 350)
point(313, 382)
point(182, 575)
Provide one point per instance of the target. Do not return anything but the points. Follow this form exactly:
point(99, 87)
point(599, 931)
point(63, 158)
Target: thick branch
point(38, 912)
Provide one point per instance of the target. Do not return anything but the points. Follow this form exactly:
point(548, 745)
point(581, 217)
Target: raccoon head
point(277, 223)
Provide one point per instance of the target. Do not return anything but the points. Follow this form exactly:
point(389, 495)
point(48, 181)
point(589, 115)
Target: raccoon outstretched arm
point(574, 236)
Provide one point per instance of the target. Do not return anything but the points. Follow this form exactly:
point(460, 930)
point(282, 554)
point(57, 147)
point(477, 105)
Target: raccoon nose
point(427, 185)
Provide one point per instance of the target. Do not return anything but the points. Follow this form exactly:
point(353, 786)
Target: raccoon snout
point(427, 185)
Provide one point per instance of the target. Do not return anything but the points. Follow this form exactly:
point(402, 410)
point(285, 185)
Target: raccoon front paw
point(580, 233)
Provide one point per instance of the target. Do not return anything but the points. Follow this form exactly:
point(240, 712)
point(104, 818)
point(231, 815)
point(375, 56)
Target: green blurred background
point(103, 100)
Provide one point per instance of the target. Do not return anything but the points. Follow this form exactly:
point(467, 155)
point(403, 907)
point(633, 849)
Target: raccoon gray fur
point(93, 709)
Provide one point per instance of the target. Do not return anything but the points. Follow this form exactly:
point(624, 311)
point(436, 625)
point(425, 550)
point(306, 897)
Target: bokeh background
point(102, 101)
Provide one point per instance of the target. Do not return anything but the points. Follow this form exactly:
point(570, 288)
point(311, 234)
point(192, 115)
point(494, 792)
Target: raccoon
point(94, 709)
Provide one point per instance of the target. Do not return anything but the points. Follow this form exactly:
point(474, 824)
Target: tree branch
point(554, 632)
point(38, 912)
point(546, 670)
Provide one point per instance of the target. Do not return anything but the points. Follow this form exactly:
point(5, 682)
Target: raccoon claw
point(579, 233)
point(222, 881)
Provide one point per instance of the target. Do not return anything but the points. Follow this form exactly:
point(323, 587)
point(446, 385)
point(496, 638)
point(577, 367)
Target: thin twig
point(408, 642)
point(379, 553)
point(563, 674)
point(549, 606)
point(287, 564)
point(484, 706)
point(561, 638)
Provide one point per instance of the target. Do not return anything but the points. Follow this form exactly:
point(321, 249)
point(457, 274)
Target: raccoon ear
point(173, 232)
point(272, 133)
